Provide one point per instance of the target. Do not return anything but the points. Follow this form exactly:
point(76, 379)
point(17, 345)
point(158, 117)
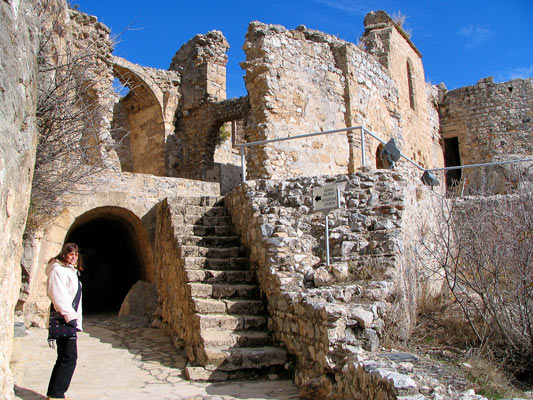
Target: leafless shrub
point(399, 18)
point(70, 147)
point(483, 246)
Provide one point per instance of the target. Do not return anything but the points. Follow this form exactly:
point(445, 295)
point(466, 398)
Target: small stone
point(321, 277)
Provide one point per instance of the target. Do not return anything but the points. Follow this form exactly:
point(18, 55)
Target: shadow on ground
point(27, 394)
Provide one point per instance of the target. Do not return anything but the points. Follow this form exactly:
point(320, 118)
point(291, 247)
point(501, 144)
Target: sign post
point(325, 199)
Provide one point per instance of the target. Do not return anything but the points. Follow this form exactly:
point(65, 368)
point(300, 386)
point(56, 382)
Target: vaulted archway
point(114, 247)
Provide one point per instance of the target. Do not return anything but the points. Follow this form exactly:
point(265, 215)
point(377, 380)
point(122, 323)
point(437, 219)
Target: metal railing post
point(243, 165)
point(327, 238)
point(363, 159)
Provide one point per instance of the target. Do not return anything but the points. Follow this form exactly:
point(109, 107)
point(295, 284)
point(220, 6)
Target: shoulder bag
point(57, 326)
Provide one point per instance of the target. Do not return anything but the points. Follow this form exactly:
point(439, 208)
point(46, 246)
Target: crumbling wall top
point(380, 20)
point(201, 49)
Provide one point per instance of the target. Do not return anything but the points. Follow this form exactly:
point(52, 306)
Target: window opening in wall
point(120, 89)
point(237, 132)
point(452, 158)
point(411, 83)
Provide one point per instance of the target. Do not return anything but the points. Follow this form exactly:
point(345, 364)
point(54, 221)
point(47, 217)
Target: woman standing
point(62, 288)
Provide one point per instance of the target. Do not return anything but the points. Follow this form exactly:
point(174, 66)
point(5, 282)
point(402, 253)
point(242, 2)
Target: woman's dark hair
point(68, 248)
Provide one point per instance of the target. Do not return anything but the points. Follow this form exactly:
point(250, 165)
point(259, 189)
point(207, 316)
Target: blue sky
point(461, 41)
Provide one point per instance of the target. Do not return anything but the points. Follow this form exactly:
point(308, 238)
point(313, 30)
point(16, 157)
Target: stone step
point(199, 201)
point(232, 322)
point(223, 291)
point(206, 220)
point(228, 338)
point(202, 211)
point(202, 230)
point(273, 372)
point(234, 358)
point(212, 252)
point(217, 264)
point(210, 241)
point(229, 306)
point(217, 276)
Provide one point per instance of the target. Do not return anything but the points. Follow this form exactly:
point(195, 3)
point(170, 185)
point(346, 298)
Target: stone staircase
point(227, 305)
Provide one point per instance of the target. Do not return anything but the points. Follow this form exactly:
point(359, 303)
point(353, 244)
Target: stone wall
point(19, 33)
point(295, 87)
point(394, 49)
point(303, 81)
point(325, 313)
point(492, 122)
point(203, 111)
point(177, 307)
point(89, 38)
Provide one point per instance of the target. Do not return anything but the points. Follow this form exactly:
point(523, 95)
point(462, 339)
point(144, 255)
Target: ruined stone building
point(238, 267)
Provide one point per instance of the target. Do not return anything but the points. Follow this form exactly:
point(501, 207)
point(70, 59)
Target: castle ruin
point(238, 267)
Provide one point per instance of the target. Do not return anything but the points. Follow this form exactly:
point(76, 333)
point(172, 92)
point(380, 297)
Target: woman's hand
point(73, 323)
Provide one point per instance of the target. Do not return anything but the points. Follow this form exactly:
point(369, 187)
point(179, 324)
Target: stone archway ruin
point(143, 119)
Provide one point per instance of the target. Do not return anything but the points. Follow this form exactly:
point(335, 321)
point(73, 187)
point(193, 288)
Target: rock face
point(490, 122)
point(18, 43)
point(140, 301)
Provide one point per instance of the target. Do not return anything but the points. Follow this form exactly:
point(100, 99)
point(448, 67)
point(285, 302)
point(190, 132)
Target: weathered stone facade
point(18, 83)
point(143, 119)
point(492, 122)
point(391, 45)
point(303, 81)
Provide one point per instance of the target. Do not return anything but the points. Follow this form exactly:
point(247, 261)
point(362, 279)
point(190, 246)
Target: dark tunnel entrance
point(112, 261)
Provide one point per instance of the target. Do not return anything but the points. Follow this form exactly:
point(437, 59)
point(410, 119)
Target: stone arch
point(116, 251)
point(138, 214)
point(139, 120)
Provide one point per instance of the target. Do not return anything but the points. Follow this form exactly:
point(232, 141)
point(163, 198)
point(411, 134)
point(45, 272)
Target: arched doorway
point(379, 161)
point(114, 256)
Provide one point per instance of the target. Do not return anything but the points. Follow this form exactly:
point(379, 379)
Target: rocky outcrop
point(19, 32)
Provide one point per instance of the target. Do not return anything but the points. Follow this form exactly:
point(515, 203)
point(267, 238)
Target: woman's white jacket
point(61, 287)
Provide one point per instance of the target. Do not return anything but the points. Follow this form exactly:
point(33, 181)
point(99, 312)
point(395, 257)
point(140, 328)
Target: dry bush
point(399, 19)
point(483, 247)
point(70, 119)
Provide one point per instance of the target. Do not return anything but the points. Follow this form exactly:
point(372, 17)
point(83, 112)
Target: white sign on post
point(326, 198)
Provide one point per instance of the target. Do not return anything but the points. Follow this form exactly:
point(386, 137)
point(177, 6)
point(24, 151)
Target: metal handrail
point(351, 128)
point(480, 165)
point(363, 157)
point(258, 143)
point(382, 141)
